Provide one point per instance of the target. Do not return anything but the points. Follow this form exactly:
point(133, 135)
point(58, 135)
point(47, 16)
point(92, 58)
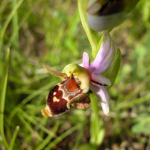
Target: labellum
point(65, 95)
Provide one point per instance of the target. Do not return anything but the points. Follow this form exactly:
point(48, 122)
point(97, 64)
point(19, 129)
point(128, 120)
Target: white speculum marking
point(55, 99)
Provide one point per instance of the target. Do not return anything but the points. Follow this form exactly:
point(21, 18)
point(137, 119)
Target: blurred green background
point(34, 33)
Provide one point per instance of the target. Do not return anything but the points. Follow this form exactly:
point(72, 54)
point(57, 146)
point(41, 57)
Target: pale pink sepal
point(99, 79)
point(104, 56)
point(85, 60)
point(103, 95)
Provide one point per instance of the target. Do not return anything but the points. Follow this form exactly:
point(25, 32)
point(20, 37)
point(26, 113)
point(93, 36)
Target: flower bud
point(107, 14)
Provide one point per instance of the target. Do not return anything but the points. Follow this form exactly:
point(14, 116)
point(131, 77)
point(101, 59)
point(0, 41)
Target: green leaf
point(113, 70)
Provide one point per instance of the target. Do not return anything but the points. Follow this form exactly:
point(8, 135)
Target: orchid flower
point(78, 80)
point(107, 14)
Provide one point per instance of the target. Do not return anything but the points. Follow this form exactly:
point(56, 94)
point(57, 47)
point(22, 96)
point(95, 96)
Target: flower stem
point(91, 34)
point(97, 131)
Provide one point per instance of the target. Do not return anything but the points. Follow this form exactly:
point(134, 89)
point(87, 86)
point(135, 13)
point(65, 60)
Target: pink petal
point(85, 60)
point(99, 79)
point(103, 95)
point(104, 56)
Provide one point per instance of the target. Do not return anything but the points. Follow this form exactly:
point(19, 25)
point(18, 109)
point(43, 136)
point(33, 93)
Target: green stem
point(97, 130)
point(91, 34)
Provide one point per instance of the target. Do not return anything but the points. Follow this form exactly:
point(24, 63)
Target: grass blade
point(8, 21)
point(48, 138)
point(3, 95)
point(14, 137)
point(15, 25)
point(61, 137)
